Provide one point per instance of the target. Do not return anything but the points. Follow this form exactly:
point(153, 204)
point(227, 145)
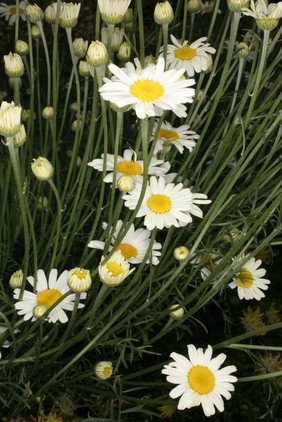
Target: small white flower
point(149, 91)
point(128, 166)
point(133, 246)
point(199, 380)
point(79, 280)
point(194, 58)
point(165, 205)
point(180, 137)
point(262, 10)
point(10, 11)
point(103, 370)
point(115, 270)
point(249, 281)
point(47, 293)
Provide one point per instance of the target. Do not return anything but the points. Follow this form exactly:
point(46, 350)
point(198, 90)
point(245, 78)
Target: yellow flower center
point(245, 278)
point(13, 10)
point(159, 203)
point(168, 134)
point(127, 250)
point(80, 273)
point(114, 268)
point(130, 168)
point(107, 371)
point(147, 90)
point(201, 379)
point(185, 53)
point(48, 297)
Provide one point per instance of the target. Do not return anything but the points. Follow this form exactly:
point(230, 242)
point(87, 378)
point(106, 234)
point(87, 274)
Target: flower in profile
point(168, 135)
point(16, 280)
point(79, 280)
point(149, 91)
point(97, 54)
point(10, 11)
point(115, 270)
point(165, 205)
point(194, 58)
point(10, 119)
point(116, 39)
point(252, 319)
point(69, 14)
point(103, 370)
point(34, 13)
point(266, 15)
point(113, 11)
point(47, 293)
point(127, 166)
point(199, 379)
point(249, 282)
point(133, 246)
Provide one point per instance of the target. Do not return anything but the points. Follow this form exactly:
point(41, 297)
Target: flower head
point(199, 379)
point(148, 91)
point(47, 293)
point(34, 13)
point(21, 48)
point(168, 135)
point(163, 13)
point(115, 270)
point(266, 16)
point(10, 119)
point(97, 54)
point(103, 370)
point(69, 14)
point(79, 280)
point(133, 246)
point(249, 282)
point(16, 279)
point(252, 319)
point(165, 205)
point(14, 66)
point(10, 11)
point(181, 253)
point(127, 166)
point(113, 11)
point(194, 58)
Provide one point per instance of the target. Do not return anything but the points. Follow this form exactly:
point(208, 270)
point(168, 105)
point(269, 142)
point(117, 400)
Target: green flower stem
point(192, 20)
point(261, 377)
point(72, 319)
point(141, 31)
point(17, 100)
point(238, 81)
point(17, 21)
point(63, 118)
point(110, 32)
point(258, 78)
point(165, 38)
point(184, 21)
point(227, 343)
point(255, 347)
point(40, 26)
point(214, 15)
point(22, 205)
point(58, 223)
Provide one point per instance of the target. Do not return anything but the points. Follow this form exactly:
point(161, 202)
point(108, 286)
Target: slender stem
point(40, 26)
point(59, 221)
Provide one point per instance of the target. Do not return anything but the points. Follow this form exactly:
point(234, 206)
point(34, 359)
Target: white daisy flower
point(149, 91)
point(133, 246)
point(194, 58)
point(10, 11)
point(47, 294)
point(199, 379)
point(128, 166)
point(249, 281)
point(115, 270)
point(262, 10)
point(180, 137)
point(165, 205)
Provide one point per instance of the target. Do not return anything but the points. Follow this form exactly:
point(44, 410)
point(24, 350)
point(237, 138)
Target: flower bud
point(39, 310)
point(35, 32)
point(80, 47)
point(16, 280)
point(181, 253)
point(42, 168)
point(79, 280)
point(69, 14)
point(236, 5)
point(193, 6)
point(10, 119)
point(113, 12)
point(50, 14)
point(25, 115)
point(84, 69)
point(103, 370)
point(20, 137)
point(126, 184)
point(14, 66)
point(34, 13)
point(22, 48)
point(97, 54)
point(163, 13)
point(48, 113)
point(242, 50)
point(116, 40)
point(124, 52)
point(42, 203)
point(176, 311)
